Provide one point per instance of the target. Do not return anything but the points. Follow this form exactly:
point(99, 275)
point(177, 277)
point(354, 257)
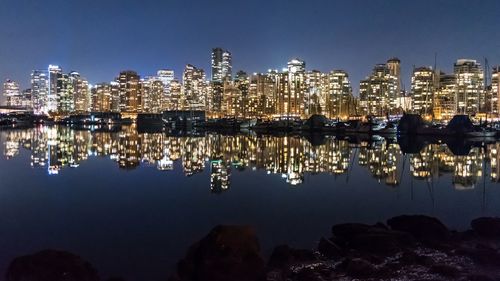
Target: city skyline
point(328, 36)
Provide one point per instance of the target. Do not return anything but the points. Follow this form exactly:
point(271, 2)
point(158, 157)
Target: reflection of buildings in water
point(289, 156)
point(468, 169)
point(220, 173)
point(381, 158)
point(494, 156)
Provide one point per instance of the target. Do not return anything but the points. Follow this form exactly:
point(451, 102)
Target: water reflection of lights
point(290, 157)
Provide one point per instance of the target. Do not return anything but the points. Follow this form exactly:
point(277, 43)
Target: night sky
point(99, 38)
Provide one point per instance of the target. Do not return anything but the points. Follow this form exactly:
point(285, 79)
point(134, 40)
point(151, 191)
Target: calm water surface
point(131, 203)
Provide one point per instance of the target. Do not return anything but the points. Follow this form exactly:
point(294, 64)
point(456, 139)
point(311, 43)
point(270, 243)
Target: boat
point(247, 124)
point(479, 131)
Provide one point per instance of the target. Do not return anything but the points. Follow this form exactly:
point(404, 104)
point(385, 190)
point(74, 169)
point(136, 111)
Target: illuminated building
point(81, 93)
point(130, 92)
point(65, 94)
point(152, 90)
point(39, 92)
point(12, 93)
point(242, 84)
point(394, 65)
point(444, 99)
point(469, 86)
point(495, 91)
point(101, 97)
point(175, 100)
point(195, 88)
point(292, 96)
point(166, 76)
point(55, 81)
point(422, 90)
point(221, 65)
point(378, 92)
point(338, 100)
point(262, 95)
point(315, 93)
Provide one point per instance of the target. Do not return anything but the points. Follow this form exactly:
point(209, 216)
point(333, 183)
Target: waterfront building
point(175, 100)
point(422, 90)
point(12, 93)
point(262, 95)
point(242, 84)
point(105, 97)
point(195, 88)
point(469, 88)
point(54, 81)
point(152, 92)
point(495, 91)
point(444, 106)
point(315, 92)
point(166, 76)
point(130, 92)
point(378, 92)
point(81, 93)
point(394, 65)
point(221, 65)
point(291, 88)
point(39, 91)
point(338, 98)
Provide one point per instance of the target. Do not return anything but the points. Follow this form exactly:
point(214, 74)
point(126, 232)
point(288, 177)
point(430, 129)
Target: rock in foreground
point(51, 265)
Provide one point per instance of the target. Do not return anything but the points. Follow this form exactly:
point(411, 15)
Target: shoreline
point(407, 247)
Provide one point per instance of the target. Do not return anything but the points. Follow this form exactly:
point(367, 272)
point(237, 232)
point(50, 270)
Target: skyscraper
point(152, 91)
point(378, 92)
point(130, 91)
point(469, 86)
point(39, 91)
point(394, 65)
point(422, 90)
point(495, 90)
point(81, 93)
point(166, 76)
point(338, 98)
point(221, 65)
point(12, 93)
point(195, 88)
point(55, 75)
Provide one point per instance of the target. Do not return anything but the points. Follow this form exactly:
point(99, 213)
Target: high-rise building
point(195, 88)
point(152, 92)
point(378, 92)
point(65, 94)
point(495, 91)
point(166, 76)
point(81, 93)
point(315, 92)
point(394, 65)
point(422, 90)
point(12, 93)
point(291, 89)
point(444, 106)
point(39, 91)
point(469, 86)
point(130, 92)
point(105, 97)
point(221, 65)
point(54, 80)
point(339, 99)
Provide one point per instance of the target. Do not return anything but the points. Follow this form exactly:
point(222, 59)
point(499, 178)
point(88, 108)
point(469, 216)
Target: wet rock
point(283, 256)
point(383, 244)
point(359, 268)
point(226, 253)
point(423, 228)
point(478, 277)
point(349, 230)
point(445, 270)
point(51, 265)
point(487, 226)
point(328, 248)
point(482, 256)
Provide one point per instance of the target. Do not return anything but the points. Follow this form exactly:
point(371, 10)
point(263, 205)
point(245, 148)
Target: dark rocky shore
point(405, 248)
